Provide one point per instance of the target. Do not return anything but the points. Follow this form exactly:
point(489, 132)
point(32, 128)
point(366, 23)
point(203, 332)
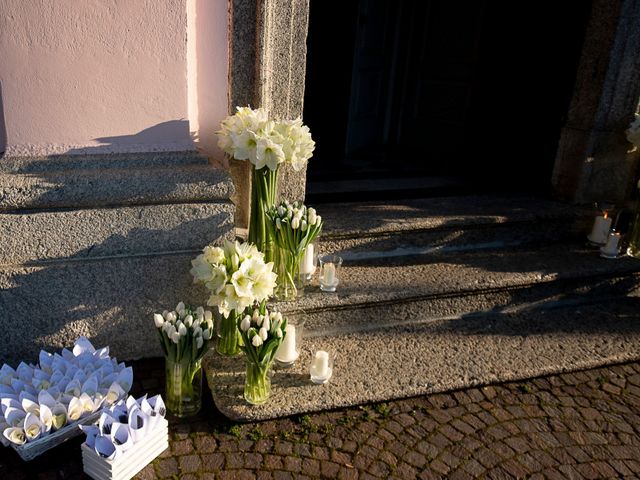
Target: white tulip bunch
point(184, 333)
point(236, 275)
point(294, 226)
point(250, 135)
point(37, 400)
point(262, 333)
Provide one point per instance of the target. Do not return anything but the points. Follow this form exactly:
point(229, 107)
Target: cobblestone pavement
point(574, 425)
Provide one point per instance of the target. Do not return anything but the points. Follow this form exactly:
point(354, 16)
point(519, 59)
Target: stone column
point(593, 160)
point(267, 69)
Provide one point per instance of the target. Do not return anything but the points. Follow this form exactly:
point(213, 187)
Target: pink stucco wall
point(97, 76)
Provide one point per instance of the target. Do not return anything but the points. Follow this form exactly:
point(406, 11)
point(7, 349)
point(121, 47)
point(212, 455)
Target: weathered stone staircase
point(93, 245)
point(444, 293)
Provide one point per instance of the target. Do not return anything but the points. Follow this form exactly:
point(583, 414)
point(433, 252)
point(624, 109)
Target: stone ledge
point(354, 220)
point(426, 277)
point(110, 187)
point(50, 163)
point(111, 301)
point(428, 358)
point(33, 236)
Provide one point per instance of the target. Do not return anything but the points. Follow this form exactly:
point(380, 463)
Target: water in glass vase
point(183, 387)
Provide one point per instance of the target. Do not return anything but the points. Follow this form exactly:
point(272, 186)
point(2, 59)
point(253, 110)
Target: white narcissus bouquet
point(237, 277)
point(262, 333)
point(184, 336)
point(267, 144)
point(293, 227)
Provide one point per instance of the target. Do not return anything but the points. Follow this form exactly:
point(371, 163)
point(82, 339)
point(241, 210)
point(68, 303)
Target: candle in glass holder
point(329, 274)
point(611, 248)
point(321, 367)
point(287, 352)
point(600, 230)
point(308, 267)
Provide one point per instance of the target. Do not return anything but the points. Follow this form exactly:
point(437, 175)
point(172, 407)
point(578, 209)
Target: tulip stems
point(229, 336)
point(263, 197)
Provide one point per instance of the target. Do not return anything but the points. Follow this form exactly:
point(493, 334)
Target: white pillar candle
point(611, 248)
point(287, 352)
point(321, 364)
point(600, 229)
point(329, 274)
point(307, 261)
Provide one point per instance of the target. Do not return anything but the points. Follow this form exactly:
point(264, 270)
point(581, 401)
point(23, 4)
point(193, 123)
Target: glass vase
point(633, 247)
point(264, 189)
point(183, 395)
point(289, 283)
point(257, 385)
point(229, 339)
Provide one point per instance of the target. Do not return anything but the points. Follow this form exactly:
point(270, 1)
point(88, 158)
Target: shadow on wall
point(99, 297)
point(3, 127)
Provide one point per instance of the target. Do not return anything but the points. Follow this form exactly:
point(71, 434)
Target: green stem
point(257, 384)
point(263, 197)
point(229, 336)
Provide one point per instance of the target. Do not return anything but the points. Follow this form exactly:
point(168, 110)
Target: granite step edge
point(398, 363)
point(441, 276)
point(77, 189)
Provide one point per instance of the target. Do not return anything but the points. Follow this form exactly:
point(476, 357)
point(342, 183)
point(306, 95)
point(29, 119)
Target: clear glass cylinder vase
point(290, 284)
point(257, 385)
point(183, 394)
point(264, 189)
point(633, 246)
point(229, 339)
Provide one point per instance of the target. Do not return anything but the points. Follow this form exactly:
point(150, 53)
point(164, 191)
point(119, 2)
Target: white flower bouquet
point(237, 277)
point(47, 400)
point(184, 336)
point(293, 227)
point(262, 333)
point(267, 144)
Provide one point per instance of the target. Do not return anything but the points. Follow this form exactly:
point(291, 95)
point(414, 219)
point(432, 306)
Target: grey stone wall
point(94, 245)
point(593, 160)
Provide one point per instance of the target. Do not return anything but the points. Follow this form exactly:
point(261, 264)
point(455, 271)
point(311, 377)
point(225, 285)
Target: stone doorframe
point(267, 64)
point(593, 160)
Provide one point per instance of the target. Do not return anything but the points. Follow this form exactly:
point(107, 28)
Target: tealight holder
point(289, 349)
point(611, 249)
point(601, 224)
point(329, 272)
point(309, 262)
point(321, 369)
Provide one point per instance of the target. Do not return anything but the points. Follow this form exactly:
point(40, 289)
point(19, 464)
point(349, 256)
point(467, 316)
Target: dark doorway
point(438, 96)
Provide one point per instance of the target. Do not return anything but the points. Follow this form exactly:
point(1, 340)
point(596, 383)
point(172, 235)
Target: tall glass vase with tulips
point(184, 336)
point(266, 144)
point(293, 227)
point(262, 333)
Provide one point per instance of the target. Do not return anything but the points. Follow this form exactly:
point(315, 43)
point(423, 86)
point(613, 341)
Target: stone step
point(434, 356)
point(453, 284)
point(400, 228)
point(35, 165)
point(35, 236)
point(109, 300)
point(91, 188)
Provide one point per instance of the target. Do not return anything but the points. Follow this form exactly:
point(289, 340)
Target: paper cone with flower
point(266, 144)
point(237, 277)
